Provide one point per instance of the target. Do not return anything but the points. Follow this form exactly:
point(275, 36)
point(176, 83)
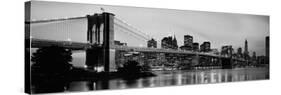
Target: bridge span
point(101, 28)
point(39, 43)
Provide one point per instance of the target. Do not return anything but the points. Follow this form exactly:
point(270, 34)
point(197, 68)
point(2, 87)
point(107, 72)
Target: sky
point(218, 28)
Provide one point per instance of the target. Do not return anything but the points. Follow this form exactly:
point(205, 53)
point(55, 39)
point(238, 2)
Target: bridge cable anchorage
point(53, 20)
point(140, 32)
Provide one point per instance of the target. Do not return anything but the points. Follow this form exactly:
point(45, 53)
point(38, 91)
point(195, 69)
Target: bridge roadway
point(38, 43)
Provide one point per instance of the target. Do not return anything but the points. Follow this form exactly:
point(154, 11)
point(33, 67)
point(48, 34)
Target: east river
point(166, 78)
point(171, 78)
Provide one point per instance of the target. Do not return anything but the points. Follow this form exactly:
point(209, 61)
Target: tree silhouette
point(51, 60)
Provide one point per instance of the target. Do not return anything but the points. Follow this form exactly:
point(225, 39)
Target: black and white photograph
point(76, 47)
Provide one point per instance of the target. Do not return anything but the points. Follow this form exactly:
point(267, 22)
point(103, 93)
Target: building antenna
point(169, 34)
point(174, 33)
point(172, 30)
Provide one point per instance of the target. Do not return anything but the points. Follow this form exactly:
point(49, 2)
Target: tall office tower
point(246, 52)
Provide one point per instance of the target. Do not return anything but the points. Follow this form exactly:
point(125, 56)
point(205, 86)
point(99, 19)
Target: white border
point(12, 47)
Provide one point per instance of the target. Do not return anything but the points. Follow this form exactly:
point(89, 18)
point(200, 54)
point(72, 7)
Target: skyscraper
point(195, 46)
point(188, 43)
point(175, 43)
point(188, 40)
point(152, 43)
point(226, 50)
point(246, 52)
point(166, 42)
point(254, 57)
point(169, 43)
point(239, 52)
point(205, 46)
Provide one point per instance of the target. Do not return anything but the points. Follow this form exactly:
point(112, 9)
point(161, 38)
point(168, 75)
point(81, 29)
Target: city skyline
point(187, 46)
point(218, 28)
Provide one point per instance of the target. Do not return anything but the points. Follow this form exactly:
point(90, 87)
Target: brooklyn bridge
point(100, 44)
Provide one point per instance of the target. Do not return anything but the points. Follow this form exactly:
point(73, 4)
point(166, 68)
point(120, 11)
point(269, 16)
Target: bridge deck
point(38, 43)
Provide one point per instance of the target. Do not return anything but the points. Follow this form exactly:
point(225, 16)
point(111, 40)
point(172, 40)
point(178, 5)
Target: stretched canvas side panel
point(27, 48)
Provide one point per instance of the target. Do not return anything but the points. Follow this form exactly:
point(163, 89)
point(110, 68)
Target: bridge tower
point(100, 35)
point(227, 61)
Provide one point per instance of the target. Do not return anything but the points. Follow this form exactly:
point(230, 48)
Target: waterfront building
point(205, 47)
point(195, 46)
point(254, 57)
point(188, 42)
point(169, 43)
point(239, 52)
point(227, 51)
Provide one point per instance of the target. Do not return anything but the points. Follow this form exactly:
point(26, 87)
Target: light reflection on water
point(163, 78)
point(168, 78)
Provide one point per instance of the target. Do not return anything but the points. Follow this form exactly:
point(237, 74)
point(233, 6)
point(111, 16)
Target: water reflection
point(168, 78)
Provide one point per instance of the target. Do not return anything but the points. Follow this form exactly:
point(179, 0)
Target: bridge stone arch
point(95, 22)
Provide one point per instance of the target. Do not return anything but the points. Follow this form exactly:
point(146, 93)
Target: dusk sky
point(218, 28)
